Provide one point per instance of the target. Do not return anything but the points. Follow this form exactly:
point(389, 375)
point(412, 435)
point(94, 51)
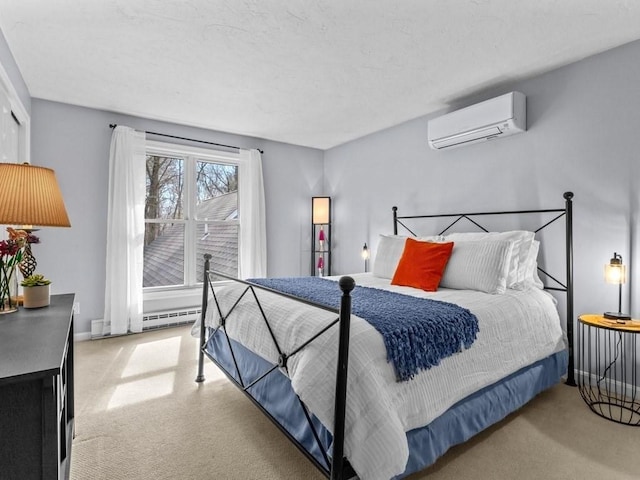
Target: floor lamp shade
point(29, 195)
point(320, 210)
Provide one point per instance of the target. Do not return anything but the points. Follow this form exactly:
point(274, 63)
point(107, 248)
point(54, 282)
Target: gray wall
point(74, 141)
point(583, 136)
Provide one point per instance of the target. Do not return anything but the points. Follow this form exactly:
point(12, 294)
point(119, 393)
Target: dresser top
point(33, 341)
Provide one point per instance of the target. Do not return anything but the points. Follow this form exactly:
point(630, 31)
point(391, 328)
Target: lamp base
point(617, 316)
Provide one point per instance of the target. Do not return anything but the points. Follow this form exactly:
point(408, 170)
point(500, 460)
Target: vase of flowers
point(10, 257)
point(35, 290)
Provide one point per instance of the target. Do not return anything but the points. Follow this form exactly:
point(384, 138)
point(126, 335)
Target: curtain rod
point(114, 125)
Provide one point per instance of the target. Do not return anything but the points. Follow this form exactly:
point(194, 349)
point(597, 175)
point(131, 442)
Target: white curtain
point(125, 232)
point(253, 230)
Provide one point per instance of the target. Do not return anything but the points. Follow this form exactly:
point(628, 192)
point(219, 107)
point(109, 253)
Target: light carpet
point(141, 416)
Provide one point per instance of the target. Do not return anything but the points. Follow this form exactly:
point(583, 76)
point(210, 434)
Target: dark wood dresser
point(36, 391)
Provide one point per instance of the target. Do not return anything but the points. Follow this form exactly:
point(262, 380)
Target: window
point(191, 208)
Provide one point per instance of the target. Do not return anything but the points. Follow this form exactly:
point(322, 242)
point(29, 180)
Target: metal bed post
point(205, 298)
point(395, 220)
point(569, 262)
point(347, 284)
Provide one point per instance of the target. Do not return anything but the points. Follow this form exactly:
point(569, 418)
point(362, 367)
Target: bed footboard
point(336, 466)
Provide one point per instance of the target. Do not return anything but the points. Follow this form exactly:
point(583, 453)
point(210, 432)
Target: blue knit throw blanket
point(417, 332)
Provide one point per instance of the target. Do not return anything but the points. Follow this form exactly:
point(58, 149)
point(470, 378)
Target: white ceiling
point(316, 73)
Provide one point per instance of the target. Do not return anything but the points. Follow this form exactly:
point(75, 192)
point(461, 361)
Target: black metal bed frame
point(337, 467)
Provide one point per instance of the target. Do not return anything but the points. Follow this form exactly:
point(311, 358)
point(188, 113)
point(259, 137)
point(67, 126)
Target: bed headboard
point(548, 217)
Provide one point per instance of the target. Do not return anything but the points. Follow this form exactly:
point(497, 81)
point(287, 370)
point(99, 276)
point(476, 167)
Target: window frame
point(190, 156)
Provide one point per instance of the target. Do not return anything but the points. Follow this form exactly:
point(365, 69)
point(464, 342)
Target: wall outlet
point(76, 308)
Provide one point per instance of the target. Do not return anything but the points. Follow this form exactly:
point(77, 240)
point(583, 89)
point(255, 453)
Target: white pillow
point(522, 241)
point(390, 250)
point(432, 239)
point(478, 265)
point(388, 255)
point(532, 277)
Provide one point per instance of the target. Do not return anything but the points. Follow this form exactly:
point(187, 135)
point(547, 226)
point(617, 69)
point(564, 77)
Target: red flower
point(10, 257)
point(12, 248)
point(8, 247)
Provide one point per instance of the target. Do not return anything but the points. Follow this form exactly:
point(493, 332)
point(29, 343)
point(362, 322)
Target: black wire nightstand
point(608, 369)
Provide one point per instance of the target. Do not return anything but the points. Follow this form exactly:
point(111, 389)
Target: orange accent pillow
point(422, 264)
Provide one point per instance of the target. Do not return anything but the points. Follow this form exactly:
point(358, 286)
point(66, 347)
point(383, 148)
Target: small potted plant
point(35, 291)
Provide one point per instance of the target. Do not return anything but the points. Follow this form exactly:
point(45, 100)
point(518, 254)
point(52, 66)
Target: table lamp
point(365, 256)
point(29, 196)
point(615, 273)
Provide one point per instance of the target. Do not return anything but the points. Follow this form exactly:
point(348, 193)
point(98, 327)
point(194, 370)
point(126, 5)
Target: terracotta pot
point(36, 297)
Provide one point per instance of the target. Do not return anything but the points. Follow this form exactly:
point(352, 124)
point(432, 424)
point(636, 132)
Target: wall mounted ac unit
point(498, 117)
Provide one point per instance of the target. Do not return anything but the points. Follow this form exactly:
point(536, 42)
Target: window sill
point(172, 299)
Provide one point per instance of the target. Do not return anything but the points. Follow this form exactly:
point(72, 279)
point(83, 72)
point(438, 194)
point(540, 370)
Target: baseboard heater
point(154, 320)
point(169, 318)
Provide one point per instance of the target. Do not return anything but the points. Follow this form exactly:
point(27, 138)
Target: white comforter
point(516, 329)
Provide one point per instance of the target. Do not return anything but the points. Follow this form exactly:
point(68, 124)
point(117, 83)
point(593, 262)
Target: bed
point(335, 386)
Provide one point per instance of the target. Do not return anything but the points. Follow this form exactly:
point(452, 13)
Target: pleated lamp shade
point(30, 195)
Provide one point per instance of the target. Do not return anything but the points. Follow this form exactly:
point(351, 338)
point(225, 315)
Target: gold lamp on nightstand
point(615, 273)
point(29, 196)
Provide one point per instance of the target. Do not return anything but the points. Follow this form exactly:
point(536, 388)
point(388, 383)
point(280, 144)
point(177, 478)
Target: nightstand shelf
point(608, 371)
